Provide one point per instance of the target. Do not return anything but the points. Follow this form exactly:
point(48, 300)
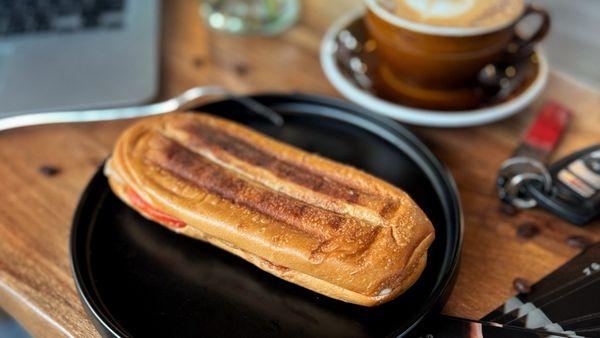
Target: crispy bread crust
point(311, 221)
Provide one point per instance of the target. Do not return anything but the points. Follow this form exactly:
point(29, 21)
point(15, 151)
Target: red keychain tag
point(545, 132)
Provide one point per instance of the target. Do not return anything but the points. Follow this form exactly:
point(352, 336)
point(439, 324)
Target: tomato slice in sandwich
point(154, 213)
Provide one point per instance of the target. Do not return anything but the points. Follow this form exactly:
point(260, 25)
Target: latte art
point(456, 13)
point(440, 8)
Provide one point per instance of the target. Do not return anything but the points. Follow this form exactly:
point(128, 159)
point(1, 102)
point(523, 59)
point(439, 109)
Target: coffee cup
point(431, 51)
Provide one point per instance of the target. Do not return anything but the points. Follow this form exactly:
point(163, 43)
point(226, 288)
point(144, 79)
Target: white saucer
point(417, 116)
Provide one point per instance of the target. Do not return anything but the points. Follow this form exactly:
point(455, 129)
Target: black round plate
point(137, 278)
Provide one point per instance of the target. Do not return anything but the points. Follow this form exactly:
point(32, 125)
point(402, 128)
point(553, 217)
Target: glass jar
point(266, 17)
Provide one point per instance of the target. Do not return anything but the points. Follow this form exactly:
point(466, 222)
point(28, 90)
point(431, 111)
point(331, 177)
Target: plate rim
point(109, 326)
point(418, 116)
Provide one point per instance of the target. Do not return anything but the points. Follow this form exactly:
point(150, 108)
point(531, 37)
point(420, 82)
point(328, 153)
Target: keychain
point(569, 188)
point(575, 191)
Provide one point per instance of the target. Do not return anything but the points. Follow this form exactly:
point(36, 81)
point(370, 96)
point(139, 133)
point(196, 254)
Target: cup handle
point(520, 47)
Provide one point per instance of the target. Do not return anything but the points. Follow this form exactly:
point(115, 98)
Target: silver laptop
point(77, 54)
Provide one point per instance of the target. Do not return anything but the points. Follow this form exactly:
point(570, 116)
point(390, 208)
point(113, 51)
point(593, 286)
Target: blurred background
point(572, 46)
point(76, 54)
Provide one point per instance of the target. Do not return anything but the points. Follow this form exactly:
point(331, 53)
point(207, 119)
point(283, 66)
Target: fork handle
point(109, 114)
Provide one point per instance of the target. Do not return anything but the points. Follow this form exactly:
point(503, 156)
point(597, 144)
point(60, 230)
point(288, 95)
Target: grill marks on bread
point(207, 175)
point(203, 135)
point(266, 168)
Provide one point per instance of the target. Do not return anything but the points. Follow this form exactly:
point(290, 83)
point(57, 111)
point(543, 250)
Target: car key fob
point(575, 192)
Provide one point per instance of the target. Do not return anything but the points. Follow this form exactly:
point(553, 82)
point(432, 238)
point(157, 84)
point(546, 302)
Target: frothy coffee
point(456, 13)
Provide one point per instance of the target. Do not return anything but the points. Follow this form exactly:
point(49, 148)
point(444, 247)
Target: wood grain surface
point(35, 210)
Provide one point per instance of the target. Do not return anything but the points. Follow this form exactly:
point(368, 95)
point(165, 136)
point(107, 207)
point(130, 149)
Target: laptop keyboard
point(26, 17)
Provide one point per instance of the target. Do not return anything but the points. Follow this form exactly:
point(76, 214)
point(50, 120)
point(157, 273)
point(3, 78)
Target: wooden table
point(36, 285)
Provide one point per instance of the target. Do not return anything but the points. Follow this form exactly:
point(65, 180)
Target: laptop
point(77, 54)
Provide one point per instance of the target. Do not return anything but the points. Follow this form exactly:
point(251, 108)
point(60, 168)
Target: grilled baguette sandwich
point(322, 225)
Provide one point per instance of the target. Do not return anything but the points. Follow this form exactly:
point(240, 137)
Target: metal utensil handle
point(182, 101)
